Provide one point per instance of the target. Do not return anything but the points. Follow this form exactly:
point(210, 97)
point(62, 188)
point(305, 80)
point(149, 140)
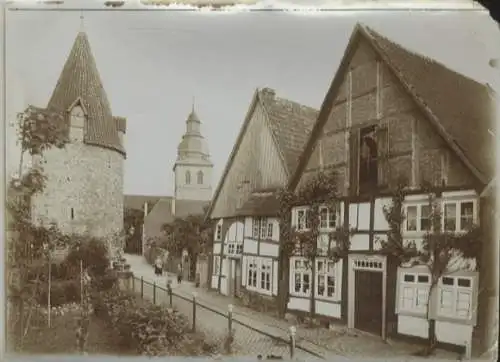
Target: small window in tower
point(77, 116)
point(200, 178)
point(72, 214)
point(188, 177)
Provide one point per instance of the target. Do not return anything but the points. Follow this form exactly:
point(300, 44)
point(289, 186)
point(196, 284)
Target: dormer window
point(77, 122)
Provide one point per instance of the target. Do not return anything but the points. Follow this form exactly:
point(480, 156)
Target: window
point(466, 215)
point(252, 273)
point(302, 220)
point(77, 116)
point(265, 275)
point(188, 177)
point(411, 218)
point(301, 278)
point(199, 177)
point(72, 214)
point(450, 217)
point(459, 216)
point(325, 283)
point(262, 228)
point(235, 247)
point(327, 218)
point(216, 265)
point(414, 292)
point(425, 220)
point(455, 297)
point(218, 232)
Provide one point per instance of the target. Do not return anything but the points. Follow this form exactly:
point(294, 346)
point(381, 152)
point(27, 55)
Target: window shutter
point(354, 161)
point(382, 157)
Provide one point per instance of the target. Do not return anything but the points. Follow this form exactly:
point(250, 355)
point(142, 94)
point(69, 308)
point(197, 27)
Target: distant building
point(84, 187)
point(192, 188)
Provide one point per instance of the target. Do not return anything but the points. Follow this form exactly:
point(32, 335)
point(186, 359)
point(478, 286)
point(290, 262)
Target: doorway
point(368, 301)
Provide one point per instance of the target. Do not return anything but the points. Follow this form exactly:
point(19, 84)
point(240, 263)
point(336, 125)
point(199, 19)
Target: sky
point(152, 64)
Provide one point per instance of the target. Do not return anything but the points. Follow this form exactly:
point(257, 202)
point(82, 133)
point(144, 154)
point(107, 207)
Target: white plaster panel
point(215, 281)
point(364, 216)
point(299, 304)
point(412, 326)
point(353, 216)
point(217, 248)
point(328, 309)
point(453, 333)
point(250, 246)
point(360, 242)
point(267, 249)
point(275, 277)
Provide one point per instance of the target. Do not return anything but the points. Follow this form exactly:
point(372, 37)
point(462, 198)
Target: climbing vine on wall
point(319, 191)
point(437, 249)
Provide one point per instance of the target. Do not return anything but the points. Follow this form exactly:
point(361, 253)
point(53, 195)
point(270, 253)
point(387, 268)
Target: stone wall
point(84, 190)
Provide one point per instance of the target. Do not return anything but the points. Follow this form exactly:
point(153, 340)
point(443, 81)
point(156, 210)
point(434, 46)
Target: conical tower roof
point(80, 80)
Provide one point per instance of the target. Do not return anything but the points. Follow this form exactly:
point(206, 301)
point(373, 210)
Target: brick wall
point(415, 149)
point(87, 180)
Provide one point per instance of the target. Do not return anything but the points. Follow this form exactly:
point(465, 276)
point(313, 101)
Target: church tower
point(193, 168)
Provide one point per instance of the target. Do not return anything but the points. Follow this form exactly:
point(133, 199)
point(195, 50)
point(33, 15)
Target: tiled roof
point(160, 214)
point(189, 207)
point(462, 106)
point(80, 79)
point(137, 202)
point(260, 204)
point(291, 124)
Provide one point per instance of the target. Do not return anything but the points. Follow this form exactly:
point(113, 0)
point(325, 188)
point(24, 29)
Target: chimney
point(268, 92)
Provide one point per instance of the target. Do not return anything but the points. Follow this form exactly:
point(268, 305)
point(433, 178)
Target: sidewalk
point(327, 343)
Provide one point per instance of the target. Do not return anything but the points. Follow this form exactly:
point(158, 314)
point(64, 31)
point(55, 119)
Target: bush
point(151, 330)
point(61, 292)
point(94, 254)
point(105, 282)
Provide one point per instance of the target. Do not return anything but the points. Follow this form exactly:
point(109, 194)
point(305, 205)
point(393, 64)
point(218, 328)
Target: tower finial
point(192, 107)
point(82, 23)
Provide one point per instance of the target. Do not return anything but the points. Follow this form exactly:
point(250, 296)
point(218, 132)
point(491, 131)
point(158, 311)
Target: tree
point(437, 251)
point(192, 233)
point(38, 131)
point(320, 191)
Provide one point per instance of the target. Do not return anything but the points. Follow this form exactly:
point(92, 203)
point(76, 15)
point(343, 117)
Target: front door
point(237, 277)
point(368, 301)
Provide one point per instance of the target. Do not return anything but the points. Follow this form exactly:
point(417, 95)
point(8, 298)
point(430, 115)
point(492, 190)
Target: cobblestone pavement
point(333, 343)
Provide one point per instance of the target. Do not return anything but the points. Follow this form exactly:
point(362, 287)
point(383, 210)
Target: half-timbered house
point(390, 113)
point(244, 206)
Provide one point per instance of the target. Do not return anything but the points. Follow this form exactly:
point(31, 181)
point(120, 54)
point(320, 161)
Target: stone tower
point(193, 168)
point(84, 187)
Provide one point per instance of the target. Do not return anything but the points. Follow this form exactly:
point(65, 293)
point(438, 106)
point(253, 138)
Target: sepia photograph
point(262, 184)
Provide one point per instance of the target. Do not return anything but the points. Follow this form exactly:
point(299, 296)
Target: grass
point(60, 338)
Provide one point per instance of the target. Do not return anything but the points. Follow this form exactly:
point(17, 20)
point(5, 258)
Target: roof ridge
point(375, 34)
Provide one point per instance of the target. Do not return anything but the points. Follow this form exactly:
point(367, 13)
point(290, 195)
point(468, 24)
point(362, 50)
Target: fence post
point(194, 311)
point(170, 293)
point(142, 287)
point(292, 342)
point(229, 328)
point(154, 293)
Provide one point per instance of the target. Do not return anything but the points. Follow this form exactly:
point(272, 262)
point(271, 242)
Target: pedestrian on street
point(179, 274)
point(158, 266)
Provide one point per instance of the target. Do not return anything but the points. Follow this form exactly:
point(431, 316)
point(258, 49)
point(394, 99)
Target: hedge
point(151, 330)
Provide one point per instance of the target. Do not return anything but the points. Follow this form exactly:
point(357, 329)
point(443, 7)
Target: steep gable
point(380, 94)
point(266, 150)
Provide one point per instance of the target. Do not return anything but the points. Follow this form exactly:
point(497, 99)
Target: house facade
point(382, 120)
point(244, 207)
